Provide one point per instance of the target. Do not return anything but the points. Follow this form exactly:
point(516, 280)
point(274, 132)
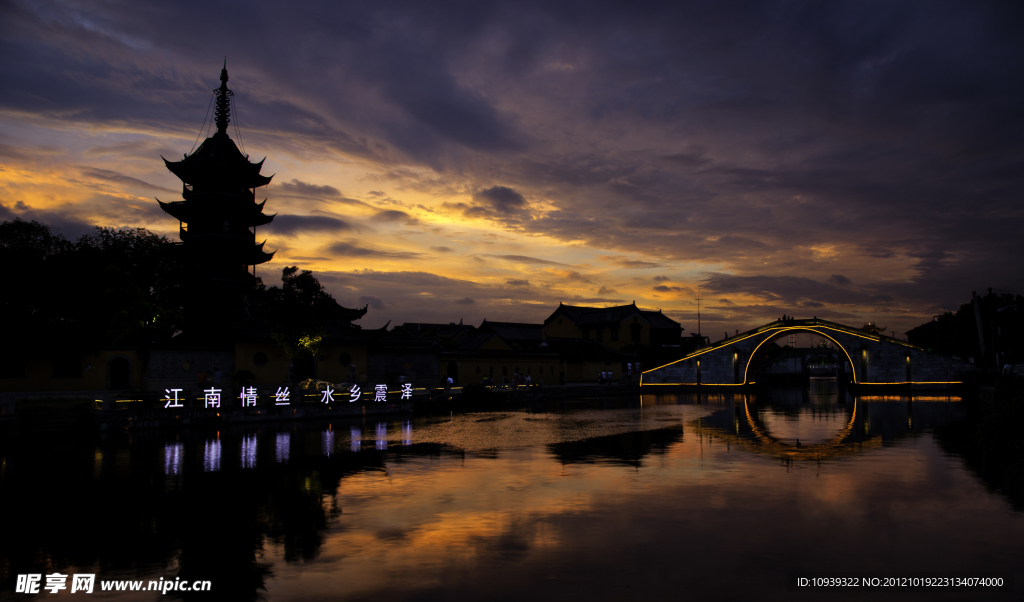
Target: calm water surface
point(665, 497)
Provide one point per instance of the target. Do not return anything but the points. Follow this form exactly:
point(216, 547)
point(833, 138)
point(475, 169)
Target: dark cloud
point(347, 249)
point(394, 215)
point(66, 224)
point(298, 224)
point(525, 259)
point(113, 176)
point(839, 280)
point(517, 282)
point(629, 263)
point(572, 275)
point(501, 199)
point(790, 289)
point(604, 290)
point(667, 289)
point(300, 188)
point(739, 140)
point(466, 301)
point(661, 278)
point(442, 249)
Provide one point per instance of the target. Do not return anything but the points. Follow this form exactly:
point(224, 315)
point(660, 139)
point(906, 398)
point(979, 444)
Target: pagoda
point(219, 215)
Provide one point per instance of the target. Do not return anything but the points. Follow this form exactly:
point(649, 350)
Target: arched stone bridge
point(870, 359)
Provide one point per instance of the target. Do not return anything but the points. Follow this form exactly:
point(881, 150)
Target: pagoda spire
point(222, 114)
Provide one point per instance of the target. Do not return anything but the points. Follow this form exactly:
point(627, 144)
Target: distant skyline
point(853, 161)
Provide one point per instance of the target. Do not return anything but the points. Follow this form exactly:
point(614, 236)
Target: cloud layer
point(856, 161)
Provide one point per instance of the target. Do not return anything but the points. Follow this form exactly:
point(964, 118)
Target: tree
point(300, 312)
point(112, 288)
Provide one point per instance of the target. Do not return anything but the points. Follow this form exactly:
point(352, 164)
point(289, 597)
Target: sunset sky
point(857, 161)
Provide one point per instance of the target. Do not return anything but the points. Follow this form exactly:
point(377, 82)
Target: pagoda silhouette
point(219, 188)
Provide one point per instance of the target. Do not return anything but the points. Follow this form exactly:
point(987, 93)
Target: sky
point(446, 161)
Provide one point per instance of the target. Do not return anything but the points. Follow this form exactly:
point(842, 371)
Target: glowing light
point(249, 451)
point(211, 456)
point(248, 396)
point(173, 453)
point(212, 398)
point(327, 442)
point(281, 398)
point(328, 395)
point(171, 395)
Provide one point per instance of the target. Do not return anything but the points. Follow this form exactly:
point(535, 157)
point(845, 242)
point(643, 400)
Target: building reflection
point(628, 448)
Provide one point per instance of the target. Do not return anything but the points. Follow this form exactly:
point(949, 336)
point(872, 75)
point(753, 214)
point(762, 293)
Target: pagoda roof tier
point(194, 210)
point(232, 249)
point(218, 164)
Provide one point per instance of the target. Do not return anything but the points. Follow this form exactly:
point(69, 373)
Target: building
point(219, 206)
point(624, 328)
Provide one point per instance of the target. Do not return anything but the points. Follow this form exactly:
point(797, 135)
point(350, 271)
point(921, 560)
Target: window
point(345, 359)
point(600, 334)
point(259, 359)
point(634, 334)
point(614, 332)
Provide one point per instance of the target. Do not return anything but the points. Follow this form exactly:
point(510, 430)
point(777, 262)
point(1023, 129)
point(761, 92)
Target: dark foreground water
point(667, 497)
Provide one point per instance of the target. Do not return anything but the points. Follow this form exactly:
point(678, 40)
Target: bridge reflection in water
point(819, 422)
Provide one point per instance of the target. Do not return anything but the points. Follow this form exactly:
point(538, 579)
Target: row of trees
point(132, 288)
point(1001, 318)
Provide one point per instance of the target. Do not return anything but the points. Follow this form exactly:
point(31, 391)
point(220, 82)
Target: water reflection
point(327, 442)
point(594, 502)
point(249, 451)
point(282, 447)
point(173, 453)
point(211, 456)
point(821, 422)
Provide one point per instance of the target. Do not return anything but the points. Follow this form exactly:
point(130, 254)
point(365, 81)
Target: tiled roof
point(602, 315)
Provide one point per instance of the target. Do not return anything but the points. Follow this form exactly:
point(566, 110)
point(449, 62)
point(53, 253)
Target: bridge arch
point(882, 360)
point(790, 330)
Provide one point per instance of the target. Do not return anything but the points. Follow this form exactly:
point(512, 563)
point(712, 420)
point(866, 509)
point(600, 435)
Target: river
point(659, 497)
